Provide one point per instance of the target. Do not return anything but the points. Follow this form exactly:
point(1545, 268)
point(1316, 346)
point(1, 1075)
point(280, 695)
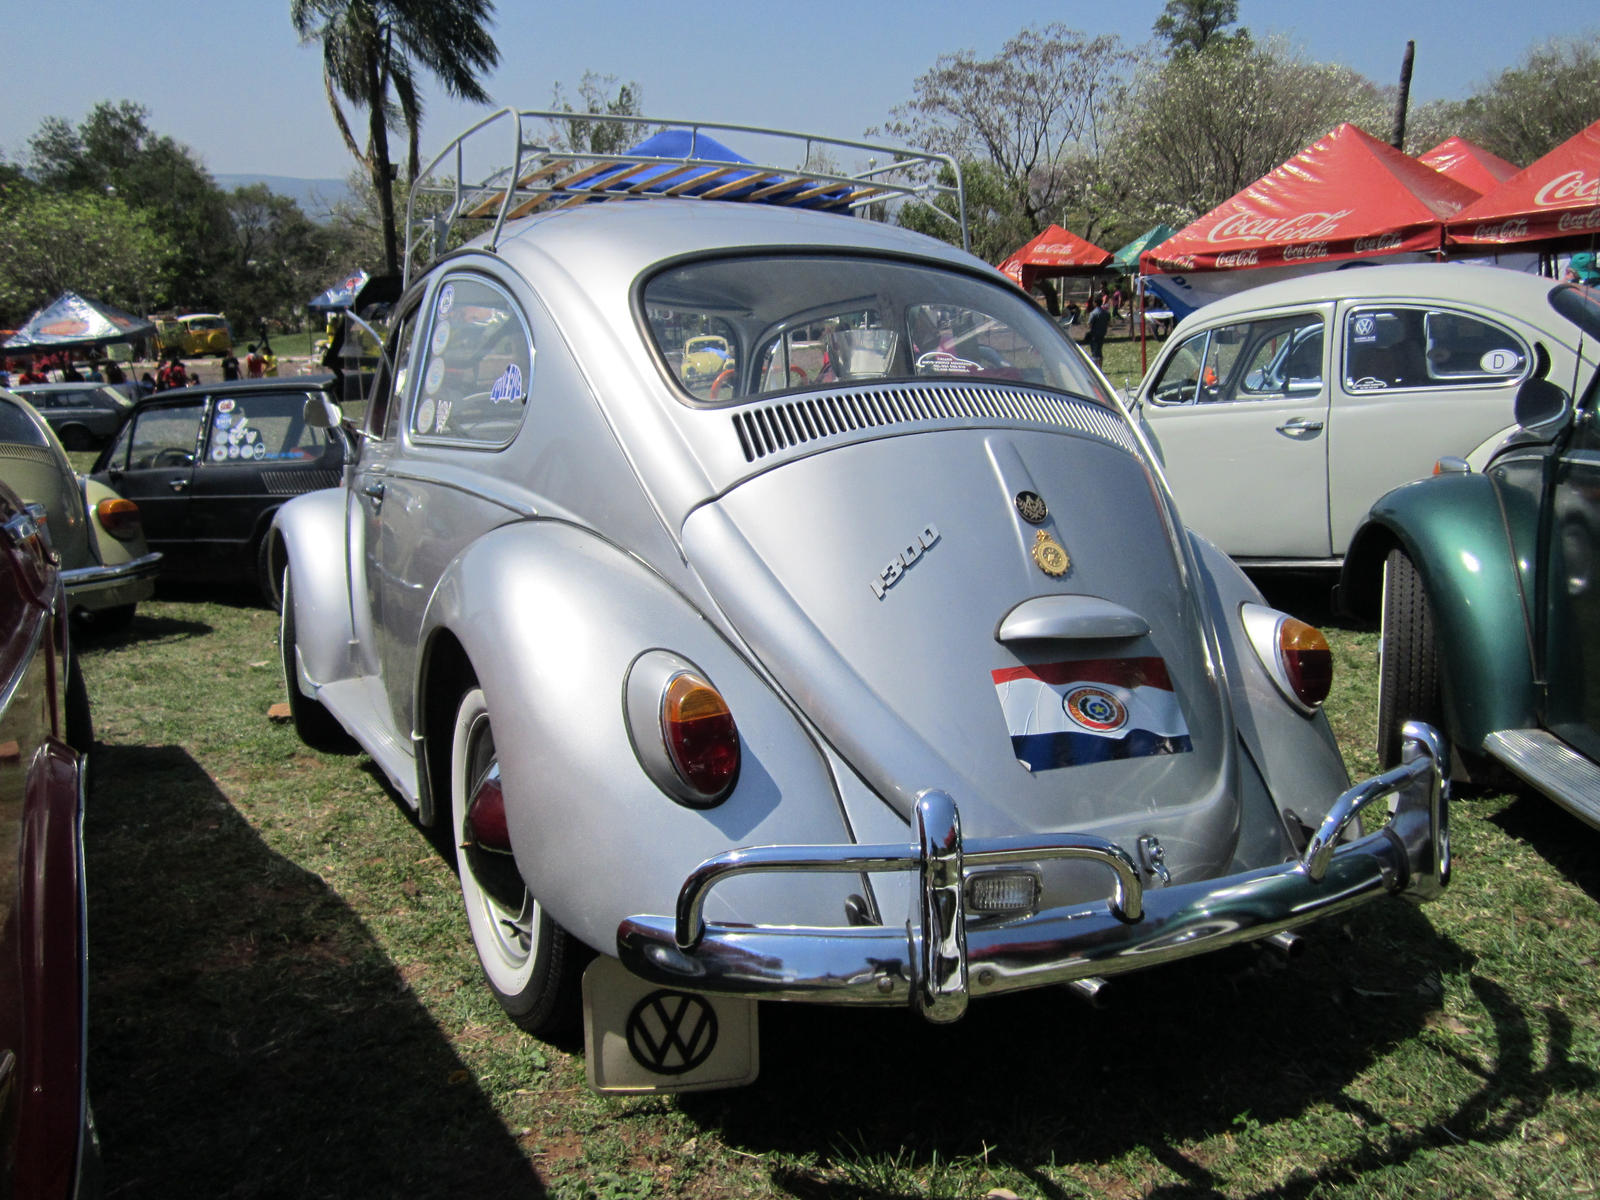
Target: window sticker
point(1500, 361)
point(219, 451)
point(441, 336)
point(508, 388)
point(1365, 329)
point(223, 421)
point(425, 412)
point(942, 362)
point(444, 416)
point(435, 376)
point(258, 451)
point(225, 405)
point(447, 298)
point(1368, 383)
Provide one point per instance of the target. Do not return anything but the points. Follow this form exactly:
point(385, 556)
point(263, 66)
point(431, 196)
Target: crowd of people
point(67, 366)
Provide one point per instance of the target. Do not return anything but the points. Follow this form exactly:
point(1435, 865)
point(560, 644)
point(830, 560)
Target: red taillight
point(118, 517)
point(486, 816)
point(1307, 661)
point(700, 735)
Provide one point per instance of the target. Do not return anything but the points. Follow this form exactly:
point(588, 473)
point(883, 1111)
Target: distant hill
point(316, 197)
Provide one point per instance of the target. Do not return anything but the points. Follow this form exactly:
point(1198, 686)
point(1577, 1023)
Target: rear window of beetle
point(732, 329)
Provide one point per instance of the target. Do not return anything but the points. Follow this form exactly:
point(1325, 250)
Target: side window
point(1179, 381)
point(18, 428)
point(1387, 348)
point(1281, 357)
point(269, 427)
point(391, 384)
point(477, 366)
point(165, 437)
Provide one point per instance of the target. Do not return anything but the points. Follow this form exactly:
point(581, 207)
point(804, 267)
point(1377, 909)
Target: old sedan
point(209, 466)
point(1280, 414)
point(47, 1145)
point(1491, 613)
point(97, 535)
point(85, 416)
point(904, 687)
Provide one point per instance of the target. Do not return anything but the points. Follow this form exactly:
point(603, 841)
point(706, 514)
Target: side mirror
point(322, 413)
point(1540, 403)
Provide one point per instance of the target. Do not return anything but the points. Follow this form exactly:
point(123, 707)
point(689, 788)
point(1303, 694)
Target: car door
point(1570, 588)
point(1239, 412)
point(1414, 382)
point(257, 452)
point(152, 463)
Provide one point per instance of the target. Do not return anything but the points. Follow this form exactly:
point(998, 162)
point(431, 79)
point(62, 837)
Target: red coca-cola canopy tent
point(1556, 198)
point(1468, 163)
point(1053, 253)
point(1345, 196)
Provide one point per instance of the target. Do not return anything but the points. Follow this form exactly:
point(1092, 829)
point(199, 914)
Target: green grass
point(284, 1002)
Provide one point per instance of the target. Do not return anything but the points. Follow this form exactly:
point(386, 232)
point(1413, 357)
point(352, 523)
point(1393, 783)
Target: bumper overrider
point(935, 962)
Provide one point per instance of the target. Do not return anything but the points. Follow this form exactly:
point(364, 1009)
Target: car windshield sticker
point(1368, 383)
point(223, 420)
point(1067, 714)
point(435, 376)
point(942, 362)
point(444, 416)
point(1500, 362)
point(447, 297)
point(508, 388)
point(441, 336)
point(424, 415)
point(1365, 329)
point(225, 406)
point(219, 451)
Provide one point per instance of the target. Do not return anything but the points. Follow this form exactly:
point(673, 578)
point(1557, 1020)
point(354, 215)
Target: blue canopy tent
point(341, 295)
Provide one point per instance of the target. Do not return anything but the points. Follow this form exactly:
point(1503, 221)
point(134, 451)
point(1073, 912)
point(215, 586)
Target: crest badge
point(1031, 507)
point(1050, 555)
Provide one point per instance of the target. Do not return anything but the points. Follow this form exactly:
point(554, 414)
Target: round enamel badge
point(1050, 556)
point(1095, 709)
point(1031, 507)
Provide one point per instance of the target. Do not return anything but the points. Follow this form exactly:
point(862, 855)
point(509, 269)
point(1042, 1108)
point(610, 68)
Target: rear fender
point(1453, 528)
point(308, 536)
point(549, 619)
point(1296, 755)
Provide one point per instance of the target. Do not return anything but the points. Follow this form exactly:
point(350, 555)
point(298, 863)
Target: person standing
point(230, 367)
point(252, 362)
point(1099, 323)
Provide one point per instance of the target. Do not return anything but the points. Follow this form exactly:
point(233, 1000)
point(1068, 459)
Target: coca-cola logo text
point(1506, 231)
point(1579, 222)
point(1561, 191)
point(1241, 226)
point(1309, 250)
point(1383, 241)
point(1238, 258)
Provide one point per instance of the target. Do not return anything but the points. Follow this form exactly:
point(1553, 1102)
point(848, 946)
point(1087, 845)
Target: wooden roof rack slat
point(491, 205)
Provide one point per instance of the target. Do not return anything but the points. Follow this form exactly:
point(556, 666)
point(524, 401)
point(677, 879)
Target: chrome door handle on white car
point(1300, 425)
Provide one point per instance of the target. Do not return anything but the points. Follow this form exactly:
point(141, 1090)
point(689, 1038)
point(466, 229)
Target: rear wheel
point(76, 437)
point(532, 965)
point(1408, 675)
point(316, 726)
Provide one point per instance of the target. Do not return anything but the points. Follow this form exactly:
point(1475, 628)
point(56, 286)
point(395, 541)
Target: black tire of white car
point(317, 727)
point(1408, 677)
point(532, 965)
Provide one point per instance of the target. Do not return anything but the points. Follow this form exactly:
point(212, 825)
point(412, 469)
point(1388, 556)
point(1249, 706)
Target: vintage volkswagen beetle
point(897, 689)
point(1489, 606)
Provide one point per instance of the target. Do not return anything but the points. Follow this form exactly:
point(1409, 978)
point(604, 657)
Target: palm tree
point(372, 51)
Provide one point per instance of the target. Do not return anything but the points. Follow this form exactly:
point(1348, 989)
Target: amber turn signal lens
point(1306, 660)
point(118, 517)
point(700, 735)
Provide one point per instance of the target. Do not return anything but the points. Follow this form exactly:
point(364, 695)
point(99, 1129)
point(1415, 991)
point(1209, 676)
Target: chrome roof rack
point(542, 175)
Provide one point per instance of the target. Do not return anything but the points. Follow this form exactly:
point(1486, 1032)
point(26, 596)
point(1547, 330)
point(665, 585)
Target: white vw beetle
point(1281, 413)
point(876, 670)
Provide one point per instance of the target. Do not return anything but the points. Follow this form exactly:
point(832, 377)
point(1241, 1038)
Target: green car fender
point(1459, 533)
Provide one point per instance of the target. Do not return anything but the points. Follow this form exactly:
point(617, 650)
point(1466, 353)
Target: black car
point(85, 416)
point(208, 467)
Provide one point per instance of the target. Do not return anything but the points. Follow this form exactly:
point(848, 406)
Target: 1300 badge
point(891, 574)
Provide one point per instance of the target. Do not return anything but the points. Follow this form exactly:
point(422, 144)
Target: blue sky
point(229, 78)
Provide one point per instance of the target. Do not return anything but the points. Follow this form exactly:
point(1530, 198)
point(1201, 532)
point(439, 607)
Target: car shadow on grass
point(1566, 843)
point(247, 1036)
point(1193, 1051)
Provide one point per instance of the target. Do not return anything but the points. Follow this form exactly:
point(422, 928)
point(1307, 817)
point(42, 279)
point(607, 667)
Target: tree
point(1532, 108)
point(598, 95)
point(113, 152)
point(1206, 125)
point(1190, 26)
point(52, 242)
point(278, 257)
point(373, 50)
point(1035, 119)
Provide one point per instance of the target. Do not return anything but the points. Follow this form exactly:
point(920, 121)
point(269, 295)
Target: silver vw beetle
point(874, 668)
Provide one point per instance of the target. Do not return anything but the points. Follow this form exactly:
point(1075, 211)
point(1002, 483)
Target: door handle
point(1300, 425)
point(373, 491)
point(178, 485)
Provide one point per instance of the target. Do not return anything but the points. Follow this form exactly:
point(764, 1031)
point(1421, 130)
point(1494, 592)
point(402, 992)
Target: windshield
point(731, 329)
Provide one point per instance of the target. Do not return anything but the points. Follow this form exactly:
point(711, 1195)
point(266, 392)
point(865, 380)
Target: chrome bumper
point(936, 962)
point(104, 587)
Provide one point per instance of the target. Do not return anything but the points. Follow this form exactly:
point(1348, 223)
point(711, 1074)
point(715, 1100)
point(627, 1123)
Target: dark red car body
point(46, 1147)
